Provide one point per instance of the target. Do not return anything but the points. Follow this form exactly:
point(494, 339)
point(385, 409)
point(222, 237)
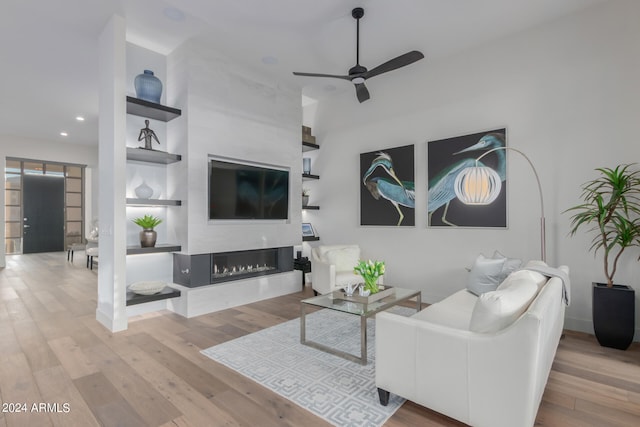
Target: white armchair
point(332, 267)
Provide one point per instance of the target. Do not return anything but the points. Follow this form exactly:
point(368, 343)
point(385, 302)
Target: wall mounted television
point(247, 191)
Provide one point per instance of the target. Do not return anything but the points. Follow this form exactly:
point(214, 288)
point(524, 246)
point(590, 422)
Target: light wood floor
point(53, 351)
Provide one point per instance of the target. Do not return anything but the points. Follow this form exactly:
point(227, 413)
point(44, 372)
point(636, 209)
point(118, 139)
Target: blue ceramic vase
point(148, 87)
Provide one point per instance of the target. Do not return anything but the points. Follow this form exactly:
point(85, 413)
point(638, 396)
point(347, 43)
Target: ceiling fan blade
point(395, 63)
point(362, 92)
point(322, 75)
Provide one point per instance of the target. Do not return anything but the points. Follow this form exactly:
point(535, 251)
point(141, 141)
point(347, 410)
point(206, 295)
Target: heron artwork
point(389, 187)
point(441, 186)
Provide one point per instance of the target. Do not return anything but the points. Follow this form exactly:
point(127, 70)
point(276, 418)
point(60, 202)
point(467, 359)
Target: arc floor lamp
point(481, 185)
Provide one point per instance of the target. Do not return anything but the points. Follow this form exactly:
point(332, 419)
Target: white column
point(111, 310)
point(3, 164)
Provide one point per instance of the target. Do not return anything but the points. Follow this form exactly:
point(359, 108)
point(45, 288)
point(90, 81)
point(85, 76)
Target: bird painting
point(388, 186)
point(441, 186)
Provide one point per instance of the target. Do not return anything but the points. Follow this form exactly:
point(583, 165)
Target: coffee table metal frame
point(359, 309)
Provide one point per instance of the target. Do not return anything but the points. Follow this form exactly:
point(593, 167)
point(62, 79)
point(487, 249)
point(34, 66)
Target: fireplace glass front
point(227, 266)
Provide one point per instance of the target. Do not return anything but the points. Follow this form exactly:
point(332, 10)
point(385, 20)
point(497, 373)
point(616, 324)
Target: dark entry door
point(43, 209)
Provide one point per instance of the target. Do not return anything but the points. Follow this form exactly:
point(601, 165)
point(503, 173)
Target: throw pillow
point(510, 264)
point(496, 310)
point(147, 288)
point(485, 275)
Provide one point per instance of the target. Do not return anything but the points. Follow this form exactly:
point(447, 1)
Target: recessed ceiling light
point(269, 60)
point(80, 118)
point(173, 14)
point(64, 134)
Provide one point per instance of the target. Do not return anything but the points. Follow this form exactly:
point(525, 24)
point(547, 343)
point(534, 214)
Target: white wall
point(234, 112)
point(568, 94)
point(53, 151)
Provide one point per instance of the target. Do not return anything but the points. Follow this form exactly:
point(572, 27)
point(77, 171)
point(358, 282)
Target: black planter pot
point(614, 315)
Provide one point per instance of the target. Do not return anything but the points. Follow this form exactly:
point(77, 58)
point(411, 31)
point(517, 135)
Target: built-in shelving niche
point(151, 110)
point(157, 249)
point(152, 156)
point(153, 202)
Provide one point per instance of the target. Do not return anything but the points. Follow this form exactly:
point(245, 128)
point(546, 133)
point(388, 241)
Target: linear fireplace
point(207, 269)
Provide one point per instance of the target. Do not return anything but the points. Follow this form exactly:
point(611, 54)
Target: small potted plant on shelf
point(611, 211)
point(305, 196)
point(148, 235)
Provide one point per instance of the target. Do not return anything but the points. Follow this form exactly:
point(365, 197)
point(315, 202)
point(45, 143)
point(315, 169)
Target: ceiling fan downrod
point(357, 13)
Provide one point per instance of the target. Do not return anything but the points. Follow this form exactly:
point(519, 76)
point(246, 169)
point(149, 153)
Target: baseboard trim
point(110, 323)
point(586, 326)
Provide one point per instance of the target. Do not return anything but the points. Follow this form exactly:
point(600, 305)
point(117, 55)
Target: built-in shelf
point(166, 293)
point(151, 110)
point(137, 250)
point(308, 146)
point(152, 156)
point(153, 202)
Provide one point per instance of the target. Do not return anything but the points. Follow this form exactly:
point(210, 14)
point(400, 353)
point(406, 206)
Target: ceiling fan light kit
point(358, 74)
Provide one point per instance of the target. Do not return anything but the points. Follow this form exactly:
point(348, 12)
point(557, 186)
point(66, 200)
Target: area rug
point(340, 391)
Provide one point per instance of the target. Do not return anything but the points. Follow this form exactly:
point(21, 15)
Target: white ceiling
point(48, 49)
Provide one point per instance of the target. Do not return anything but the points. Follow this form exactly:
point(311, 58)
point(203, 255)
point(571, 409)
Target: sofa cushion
point(498, 309)
point(536, 263)
point(485, 275)
point(510, 265)
point(345, 258)
point(535, 277)
point(344, 278)
point(453, 311)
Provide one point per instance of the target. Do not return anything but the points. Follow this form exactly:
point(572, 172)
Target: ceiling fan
point(358, 74)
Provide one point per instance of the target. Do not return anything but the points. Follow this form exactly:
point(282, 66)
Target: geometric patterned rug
point(340, 391)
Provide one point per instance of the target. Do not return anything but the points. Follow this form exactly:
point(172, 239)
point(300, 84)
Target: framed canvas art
point(446, 158)
point(387, 193)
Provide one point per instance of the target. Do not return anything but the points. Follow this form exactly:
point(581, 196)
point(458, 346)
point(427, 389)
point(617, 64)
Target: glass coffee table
point(358, 309)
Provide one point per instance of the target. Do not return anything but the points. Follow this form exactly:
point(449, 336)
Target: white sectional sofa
point(483, 360)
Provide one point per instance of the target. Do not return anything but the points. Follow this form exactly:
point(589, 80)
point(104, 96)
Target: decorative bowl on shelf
point(147, 287)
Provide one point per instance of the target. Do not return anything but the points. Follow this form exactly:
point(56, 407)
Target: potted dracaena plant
point(611, 212)
point(148, 235)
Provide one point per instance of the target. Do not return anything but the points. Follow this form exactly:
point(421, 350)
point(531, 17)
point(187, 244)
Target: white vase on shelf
point(143, 191)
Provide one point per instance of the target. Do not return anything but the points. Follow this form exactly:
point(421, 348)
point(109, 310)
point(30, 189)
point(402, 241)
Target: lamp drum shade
point(479, 185)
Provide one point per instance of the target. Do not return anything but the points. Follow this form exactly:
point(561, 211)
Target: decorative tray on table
point(385, 291)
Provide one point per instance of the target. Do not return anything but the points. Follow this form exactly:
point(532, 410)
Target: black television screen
point(241, 191)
